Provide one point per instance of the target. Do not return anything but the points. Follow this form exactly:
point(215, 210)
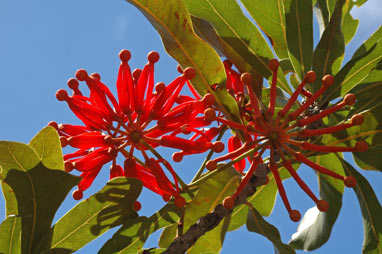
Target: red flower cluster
point(144, 117)
point(285, 135)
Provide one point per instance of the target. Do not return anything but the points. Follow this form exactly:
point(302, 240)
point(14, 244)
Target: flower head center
point(135, 136)
point(273, 136)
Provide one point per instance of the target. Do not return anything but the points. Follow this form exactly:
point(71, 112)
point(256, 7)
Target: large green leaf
point(315, 227)
point(205, 200)
point(48, 148)
point(172, 20)
point(329, 53)
point(133, 234)
point(108, 208)
point(31, 190)
point(257, 224)
point(10, 235)
point(206, 31)
point(299, 33)
point(371, 211)
point(270, 16)
point(367, 58)
point(239, 33)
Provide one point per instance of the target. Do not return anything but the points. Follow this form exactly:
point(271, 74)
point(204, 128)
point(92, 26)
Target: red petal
point(88, 178)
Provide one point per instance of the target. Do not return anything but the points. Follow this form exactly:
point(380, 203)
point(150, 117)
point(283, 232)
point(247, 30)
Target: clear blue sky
point(43, 43)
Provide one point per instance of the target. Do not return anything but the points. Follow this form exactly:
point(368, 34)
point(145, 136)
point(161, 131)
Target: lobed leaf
point(48, 148)
point(108, 208)
point(31, 190)
point(371, 211)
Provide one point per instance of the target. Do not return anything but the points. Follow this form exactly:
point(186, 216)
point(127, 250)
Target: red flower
point(142, 114)
point(286, 136)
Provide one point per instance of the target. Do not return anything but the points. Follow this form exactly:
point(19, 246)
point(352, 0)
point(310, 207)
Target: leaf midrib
point(244, 44)
point(33, 198)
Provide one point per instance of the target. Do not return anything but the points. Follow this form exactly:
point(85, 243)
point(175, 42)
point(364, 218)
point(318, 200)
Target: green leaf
point(207, 32)
point(152, 251)
point(232, 26)
point(108, 208)
point(167, 236)
point(367, 58)
point(270, 16)
point(315, 227)
point(31, 190)
point(10, 236)
point(371, 211)
point(322, 14)
point(299, 34)
point(256, 223)
point(132, 235)
point(329, 53)
point(172, 21)
point(48, 148)
point(371, 132)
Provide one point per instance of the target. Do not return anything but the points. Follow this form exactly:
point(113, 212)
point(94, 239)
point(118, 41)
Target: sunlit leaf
point(299, 33)
point(256, 223)
point(172, 20)
point(10, 235)
point(133, 234)
point(329, 53)
point(270, 16)
point(48, 148)
point(371, 211)
point(32, 191)
point(108, 208)
point(242, 35)
point(367, 58)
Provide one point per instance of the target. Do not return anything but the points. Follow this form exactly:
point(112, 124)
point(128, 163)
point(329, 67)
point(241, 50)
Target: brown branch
point(211, 220)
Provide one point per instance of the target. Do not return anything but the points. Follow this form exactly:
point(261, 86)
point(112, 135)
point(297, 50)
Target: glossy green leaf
point(371, 211)
point(48, 148)
point(10, 235)
point(367, 58)
point(129, 238)
point(206, 31)
point(329, 53)
point(315, 227)
point(239, 33)
point(270, 16)
point(299, 34)
point(167, 236)
point(152, 251)
point(257, 224)
point(371, 132)
point(108, 208)
point(132, 235)
point(172, 20)
point(31, 190)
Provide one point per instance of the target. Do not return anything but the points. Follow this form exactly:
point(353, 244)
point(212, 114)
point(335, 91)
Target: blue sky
point(43, 43)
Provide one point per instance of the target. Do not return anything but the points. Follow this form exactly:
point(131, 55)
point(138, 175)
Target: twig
point(211, 220)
